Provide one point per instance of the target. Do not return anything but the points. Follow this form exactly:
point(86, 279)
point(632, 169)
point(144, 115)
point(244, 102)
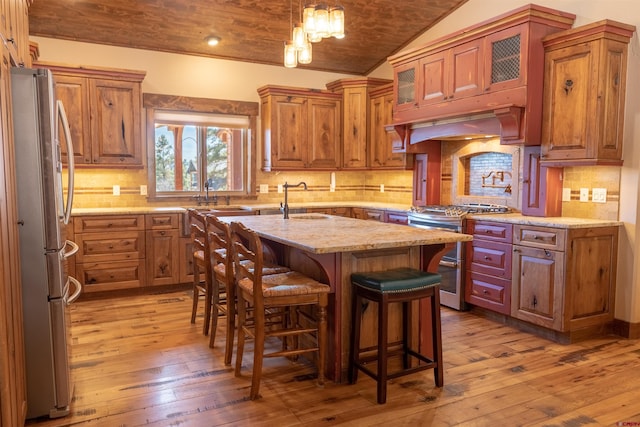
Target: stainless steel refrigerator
point(47, 291)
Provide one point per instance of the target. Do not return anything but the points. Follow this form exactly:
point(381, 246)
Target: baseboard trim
point(626, 329)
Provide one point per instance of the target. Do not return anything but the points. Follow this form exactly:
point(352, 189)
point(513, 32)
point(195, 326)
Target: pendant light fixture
point(317, 21)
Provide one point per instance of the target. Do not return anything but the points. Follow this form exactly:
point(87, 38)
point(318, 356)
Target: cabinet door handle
point(568, 85)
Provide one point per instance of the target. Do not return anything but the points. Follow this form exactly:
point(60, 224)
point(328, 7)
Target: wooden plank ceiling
point(251, 30)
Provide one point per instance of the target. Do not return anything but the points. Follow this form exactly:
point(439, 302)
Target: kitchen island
point(330, 248)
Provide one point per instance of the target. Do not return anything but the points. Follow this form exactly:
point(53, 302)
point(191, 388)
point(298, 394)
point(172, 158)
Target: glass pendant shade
point(305, 54)
point(336, 20)
point(309, 19)
point(290, 55)
point(299, 37)
point(322, 20)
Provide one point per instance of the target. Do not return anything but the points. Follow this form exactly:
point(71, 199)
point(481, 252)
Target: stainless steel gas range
point(450, 218)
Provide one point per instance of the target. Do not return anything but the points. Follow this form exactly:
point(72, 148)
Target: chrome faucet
point(207, 185)
point(286, 186)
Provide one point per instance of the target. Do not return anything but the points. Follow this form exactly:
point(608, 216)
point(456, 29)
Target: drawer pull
point(487, 258)
point(484, 291)
point(536, 237)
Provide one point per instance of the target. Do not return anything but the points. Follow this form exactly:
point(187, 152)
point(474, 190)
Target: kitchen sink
point(309, 216)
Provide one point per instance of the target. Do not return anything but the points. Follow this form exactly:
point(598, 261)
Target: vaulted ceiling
point(251, 30)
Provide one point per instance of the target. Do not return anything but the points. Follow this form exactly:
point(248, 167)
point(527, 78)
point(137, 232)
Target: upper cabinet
point(300, 128)
point(14, 27)
point(367, 105)
point(339, 128)
point(104, 108)
point(584, 94)
point(491, 70)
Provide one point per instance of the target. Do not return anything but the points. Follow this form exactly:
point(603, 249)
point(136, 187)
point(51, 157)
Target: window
point(199, 150)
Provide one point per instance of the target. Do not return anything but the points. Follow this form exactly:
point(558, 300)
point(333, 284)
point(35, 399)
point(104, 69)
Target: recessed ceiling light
point(212, 40)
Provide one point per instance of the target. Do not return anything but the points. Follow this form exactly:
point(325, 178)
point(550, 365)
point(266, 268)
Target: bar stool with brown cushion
point(263, 293)
point(223, 292)
point(202, 275)
point(402, 285)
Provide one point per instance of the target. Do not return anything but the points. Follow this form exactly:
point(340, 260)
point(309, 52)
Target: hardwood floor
point(138, 361)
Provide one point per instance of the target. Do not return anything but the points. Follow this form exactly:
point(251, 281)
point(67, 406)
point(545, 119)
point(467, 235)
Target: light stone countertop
point(319, 233)
point(512, 218)
point(557, 222)
point(250, 207)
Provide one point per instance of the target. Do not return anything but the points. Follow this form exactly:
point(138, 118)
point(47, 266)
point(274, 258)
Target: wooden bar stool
point(402, 285)
point(285, 293)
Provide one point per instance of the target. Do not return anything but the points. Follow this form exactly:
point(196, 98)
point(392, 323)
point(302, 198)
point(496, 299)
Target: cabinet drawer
point(396, 218)
point(490, 292)
point(487, 230)
point(99, 276)
point(489, 258)
point(114, 246)
point(540, 237)
point(84, 224)
point(162, 221)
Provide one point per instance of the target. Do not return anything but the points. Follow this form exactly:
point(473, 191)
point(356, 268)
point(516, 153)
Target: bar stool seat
point(402, 285)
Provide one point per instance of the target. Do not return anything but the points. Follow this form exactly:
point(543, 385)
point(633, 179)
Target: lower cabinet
point(338, 211)
point(126, 251)
point(369, 214)
point(488, 265)
point(163, 256)
point(564, 279)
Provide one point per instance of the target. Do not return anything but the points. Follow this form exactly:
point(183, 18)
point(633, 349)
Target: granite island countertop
point(320, 233)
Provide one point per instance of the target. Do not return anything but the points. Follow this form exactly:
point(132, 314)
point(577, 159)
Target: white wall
point(202, 77)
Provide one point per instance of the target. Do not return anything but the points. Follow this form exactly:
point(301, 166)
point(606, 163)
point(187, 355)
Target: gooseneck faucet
point(286, 186)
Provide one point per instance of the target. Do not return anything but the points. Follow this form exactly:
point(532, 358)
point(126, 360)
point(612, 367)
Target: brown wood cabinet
point(356, 133)
point(488, 265)
point(495, 66)
point(104, 107)
point(338, 211)
point(162, 249)
point(14, 26)
point(541, 185)
point(384, 152)
point(564, 279)
point(301, 128)
point(112, 252)
point(368, 214)
point(396, 217)
point(584, 94)
point(427, 175)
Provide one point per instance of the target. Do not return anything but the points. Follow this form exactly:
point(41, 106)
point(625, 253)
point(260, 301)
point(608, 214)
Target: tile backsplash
point(94, 187)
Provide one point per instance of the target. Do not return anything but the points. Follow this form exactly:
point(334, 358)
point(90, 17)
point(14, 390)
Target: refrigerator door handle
point(71, 298)
point(70, 160)
point(74, 249)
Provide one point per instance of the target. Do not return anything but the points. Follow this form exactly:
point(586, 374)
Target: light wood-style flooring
point(138, 361)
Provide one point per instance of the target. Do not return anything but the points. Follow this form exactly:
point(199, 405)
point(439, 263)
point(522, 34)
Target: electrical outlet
point(280, 188)
point(382, 188)
point(264, 188)
point(143, 190)
point(584, 194)
point(566, 194)
point(116, 190)
point(599, 195)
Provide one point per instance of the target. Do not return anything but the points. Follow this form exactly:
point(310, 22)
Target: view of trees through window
point(188, 157)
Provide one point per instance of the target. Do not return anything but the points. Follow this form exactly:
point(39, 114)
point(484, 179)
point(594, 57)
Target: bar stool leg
point(354, 350)
point(383, 326)
point(436, 334)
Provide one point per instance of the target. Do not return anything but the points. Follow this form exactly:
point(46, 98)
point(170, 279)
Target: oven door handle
point(450, 264)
